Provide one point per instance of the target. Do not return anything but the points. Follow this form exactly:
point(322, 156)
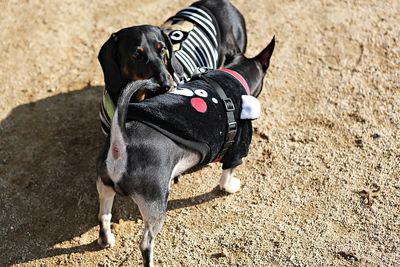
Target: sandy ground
point(329, 134)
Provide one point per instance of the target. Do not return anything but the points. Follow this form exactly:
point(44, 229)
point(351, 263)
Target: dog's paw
point(232, 185)
point(106, 241)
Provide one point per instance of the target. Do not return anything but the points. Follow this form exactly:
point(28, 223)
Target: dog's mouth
point(142, 94)
point(164, 87)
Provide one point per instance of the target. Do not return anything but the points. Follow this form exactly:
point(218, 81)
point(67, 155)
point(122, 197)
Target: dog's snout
point(165, 82)
point(165, 86)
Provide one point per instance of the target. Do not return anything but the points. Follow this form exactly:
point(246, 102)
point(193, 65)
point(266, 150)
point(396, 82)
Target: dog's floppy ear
point(266, 54)
point(112, 75)
point(174, 67)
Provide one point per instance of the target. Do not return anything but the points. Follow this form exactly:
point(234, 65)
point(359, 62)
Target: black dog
point(142, 155)
point(206, 34)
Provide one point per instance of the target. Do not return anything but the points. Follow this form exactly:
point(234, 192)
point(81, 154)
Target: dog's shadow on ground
point(48, 152)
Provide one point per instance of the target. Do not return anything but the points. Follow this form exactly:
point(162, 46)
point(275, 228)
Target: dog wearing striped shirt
point(207, 34)
point(193, 34)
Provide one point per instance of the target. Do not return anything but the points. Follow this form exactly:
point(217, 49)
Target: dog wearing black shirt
point(141, 156)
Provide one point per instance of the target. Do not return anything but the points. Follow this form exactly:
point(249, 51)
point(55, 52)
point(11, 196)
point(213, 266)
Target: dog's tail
point(119, 137)
point(123, 102)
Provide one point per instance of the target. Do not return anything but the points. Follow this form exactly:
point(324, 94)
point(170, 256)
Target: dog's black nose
point(165, 85)
point(165, 82)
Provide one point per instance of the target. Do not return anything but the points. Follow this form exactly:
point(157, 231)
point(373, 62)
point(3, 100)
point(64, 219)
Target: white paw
point(232, 185)
point(107, 241)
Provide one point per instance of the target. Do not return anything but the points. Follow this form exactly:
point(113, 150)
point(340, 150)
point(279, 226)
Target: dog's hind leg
point(153, 214)
point(228, 182)
point(106, 198)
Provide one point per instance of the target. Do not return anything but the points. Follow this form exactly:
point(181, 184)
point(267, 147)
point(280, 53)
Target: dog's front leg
point(228, 182)
point(106, 198)
point(153, 214)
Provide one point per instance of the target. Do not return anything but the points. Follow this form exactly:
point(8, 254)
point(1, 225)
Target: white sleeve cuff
point(251, 108)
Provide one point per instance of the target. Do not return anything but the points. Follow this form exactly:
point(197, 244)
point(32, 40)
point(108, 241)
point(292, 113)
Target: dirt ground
point(327, 138)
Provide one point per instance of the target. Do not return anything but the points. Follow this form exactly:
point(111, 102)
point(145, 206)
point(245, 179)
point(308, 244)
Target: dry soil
point(328, 137)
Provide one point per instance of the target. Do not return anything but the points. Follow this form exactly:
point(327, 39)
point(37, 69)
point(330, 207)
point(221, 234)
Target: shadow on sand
point(48, 151)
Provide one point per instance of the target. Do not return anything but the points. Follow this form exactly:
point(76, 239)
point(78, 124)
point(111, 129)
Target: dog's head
point(253, 69)
point(138, 53)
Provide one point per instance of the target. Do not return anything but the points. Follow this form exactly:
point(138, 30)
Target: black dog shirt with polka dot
point(195, 116)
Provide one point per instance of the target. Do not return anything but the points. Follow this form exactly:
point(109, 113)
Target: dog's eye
point(138, 53)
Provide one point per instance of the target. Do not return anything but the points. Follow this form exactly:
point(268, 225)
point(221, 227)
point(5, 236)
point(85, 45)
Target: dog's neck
point(238, 77)
point(250, 71)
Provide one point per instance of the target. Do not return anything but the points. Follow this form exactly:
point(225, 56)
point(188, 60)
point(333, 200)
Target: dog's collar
point(238, 77)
